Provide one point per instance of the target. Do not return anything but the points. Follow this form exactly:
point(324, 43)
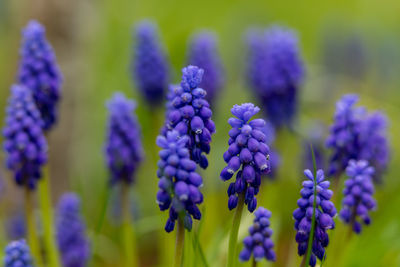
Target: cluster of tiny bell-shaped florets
point(72, 241)
point(17, 254)
point(358, 193)
point(38, 70)
point(24, 140)
point(179, 182)
point(248, 155)
point(123, 148)
point(190, 114)
point(150, 67)
point(259, 242)
point(314, 189)
point(344, 134)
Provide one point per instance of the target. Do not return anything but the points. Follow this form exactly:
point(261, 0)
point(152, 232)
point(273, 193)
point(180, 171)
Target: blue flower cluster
point(72, 241)
point(324, 213)
point(24, 141)
point(179, 182)
point(190, 114)
point(275, 71)
point(204, 54)
point(358, 195)
point(38, 70)
point(259, 241)
point(150, 67)
point(123, 147)
point(18, 255)
point(356, 134)
point(248, 152)
point(374, 143)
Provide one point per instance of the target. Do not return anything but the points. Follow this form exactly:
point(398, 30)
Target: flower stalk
point(180, 238)
point(32, 236)
point(232, 255)
point(127, 230)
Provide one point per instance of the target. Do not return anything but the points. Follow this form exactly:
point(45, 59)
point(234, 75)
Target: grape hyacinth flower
point(149, 66)
point(275, 71)
point(358, 195)
point(15, 227)
point(248, 152)
point(73, 243)
point(38, 70)
point(179, 182)
point(17, 254)
point(24, 141)
point(190, 115)
point(123, 146)
point(259, 242)
point(374, 143)
point(203, 53)
point(344, 134)
point(324, 213)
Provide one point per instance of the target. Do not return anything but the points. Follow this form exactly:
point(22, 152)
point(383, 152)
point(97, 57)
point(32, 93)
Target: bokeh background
point(348, 46)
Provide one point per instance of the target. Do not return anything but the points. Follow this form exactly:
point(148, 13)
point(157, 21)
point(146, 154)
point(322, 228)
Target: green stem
point(254, 263)
point(180, 238)
point(127, 230)
point(46, 209)
point(32, 236)
point(232, 257)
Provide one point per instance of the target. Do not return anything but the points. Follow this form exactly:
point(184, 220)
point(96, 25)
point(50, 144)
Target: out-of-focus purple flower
point(123, 146)
point(275, 71)
point(203, 53)
point(179, 182)
point(374, 143)
point(24, 141)
point(259, 242)
point(358, 195)
point(149, 66)
point(17, 254)
point(324, 213)
point(343, 139)
point(190, 114)
point(248, 155)
point(38, 70)
point(72, 241)
point(15, 227)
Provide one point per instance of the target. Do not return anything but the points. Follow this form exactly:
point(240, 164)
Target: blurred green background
point(348, 46)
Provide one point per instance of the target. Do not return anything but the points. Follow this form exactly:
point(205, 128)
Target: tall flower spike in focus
point(275, 70)
point(123, 146)
point(17, 254)
point(203, 53)
point(324, 213)
point(150, 69)
point(190, 115)
point(73, 243)
point(248, 155)
point(259, 242)
point(24, 141)
point(38, 70)
point(358, 195)
point(343, 139)
point(374, 143)
point(179, 182)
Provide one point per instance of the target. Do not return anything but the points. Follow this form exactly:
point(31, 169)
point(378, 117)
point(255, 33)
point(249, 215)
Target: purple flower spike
point(275, 71)
point(189, 114)
point(179, 182)
point(344, 134)
point(358, 195)
point(324, 213)
point(247, 155)
point(204, 54)
point(150, 67)
point(72, 241)
point(24, 141)
point(123, 146)
point(259, 241)
point(18, 254)
point(38, 70)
